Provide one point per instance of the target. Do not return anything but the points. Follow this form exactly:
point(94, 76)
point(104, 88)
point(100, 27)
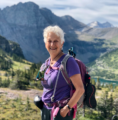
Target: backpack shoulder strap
point(64, 71)
point(67, 79)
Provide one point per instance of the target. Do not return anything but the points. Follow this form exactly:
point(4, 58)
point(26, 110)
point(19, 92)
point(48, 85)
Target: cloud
point(56, 6)
point(84, 11)
point(87, 12)
point(111, 4)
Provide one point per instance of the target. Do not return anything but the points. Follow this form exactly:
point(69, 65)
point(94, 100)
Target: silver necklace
point(51, 62)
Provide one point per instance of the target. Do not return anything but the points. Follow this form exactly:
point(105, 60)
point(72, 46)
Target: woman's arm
point(79, 91)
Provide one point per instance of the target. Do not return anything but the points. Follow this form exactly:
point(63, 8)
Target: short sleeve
point(72, 67)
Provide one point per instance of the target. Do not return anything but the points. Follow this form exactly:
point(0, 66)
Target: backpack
point(88, 97)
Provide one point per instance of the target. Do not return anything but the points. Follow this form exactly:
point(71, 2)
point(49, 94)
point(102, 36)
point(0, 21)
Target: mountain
point(96, 24)
point(104, 33)
point(107, 25)
point(10, 47)
point(65, 22)
point(106, 66)
point(24, 24)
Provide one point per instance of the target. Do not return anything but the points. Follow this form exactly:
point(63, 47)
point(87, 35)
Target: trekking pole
point(70, 52)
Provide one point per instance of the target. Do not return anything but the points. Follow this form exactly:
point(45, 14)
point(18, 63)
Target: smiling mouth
point(53, 49)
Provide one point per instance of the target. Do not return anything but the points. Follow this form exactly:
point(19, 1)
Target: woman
point(54, 41)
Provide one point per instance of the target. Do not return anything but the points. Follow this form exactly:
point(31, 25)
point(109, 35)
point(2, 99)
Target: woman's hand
point(64, 111)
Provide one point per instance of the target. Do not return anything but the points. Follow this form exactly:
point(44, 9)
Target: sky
point(85, 11)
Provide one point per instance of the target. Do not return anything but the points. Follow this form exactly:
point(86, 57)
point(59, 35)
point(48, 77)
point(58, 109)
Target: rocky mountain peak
point(94, 24)
point(28, 5)
point(97, 24)
point(46, 10)
point(67, 17)
point(23, 14)
point(107, 24)
point(20, 5)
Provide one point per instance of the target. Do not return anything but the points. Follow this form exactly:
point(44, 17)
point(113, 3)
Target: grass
point(16, 66)
point(99, 93)
point(115, 39)
point(107, 64)
point(17, 109)
point(21, 66)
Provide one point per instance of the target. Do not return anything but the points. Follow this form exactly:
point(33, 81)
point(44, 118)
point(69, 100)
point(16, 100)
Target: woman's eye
point(55, 41)
point(49, 41)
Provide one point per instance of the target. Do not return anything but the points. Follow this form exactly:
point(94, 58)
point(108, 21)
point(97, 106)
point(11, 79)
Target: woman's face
point(53, 44)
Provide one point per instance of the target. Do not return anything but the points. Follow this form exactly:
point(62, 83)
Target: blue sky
point(85, 11)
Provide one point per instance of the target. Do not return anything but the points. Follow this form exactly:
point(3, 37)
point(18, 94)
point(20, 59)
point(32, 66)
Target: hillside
point(10, 47)
point(103, 33)
point(106, 66)
point(10, 63)
point(17, 73)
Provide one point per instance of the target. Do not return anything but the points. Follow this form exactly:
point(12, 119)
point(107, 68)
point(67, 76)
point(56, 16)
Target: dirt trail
point(12, 94)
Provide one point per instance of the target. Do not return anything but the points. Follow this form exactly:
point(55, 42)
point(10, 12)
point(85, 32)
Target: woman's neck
point(54, 58)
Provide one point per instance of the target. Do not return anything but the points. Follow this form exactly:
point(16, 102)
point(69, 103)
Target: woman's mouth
point(53, 48)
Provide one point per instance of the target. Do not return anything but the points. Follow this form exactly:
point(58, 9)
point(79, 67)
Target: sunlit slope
point(106, 66)
point(12, 63)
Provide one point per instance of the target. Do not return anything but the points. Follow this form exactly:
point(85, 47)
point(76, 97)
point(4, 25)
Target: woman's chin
point(53, 52)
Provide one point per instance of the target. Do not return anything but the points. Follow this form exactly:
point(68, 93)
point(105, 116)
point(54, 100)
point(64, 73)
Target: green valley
point(105, 66)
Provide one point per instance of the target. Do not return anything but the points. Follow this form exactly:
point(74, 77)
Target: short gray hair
point(55, 29)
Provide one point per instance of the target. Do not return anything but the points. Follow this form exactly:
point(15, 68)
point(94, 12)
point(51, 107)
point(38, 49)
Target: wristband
point(68, 107)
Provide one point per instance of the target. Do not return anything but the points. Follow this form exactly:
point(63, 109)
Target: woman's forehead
point(52, 35)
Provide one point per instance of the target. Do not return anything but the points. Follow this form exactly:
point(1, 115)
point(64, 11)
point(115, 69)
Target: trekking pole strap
point(52, 97)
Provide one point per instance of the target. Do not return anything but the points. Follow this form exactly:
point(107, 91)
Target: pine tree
point(28, 106)
point(110, 106)
point(105, 105)
point(98, 83)
point(111, 87)
point(116, 104)
point(0, 82)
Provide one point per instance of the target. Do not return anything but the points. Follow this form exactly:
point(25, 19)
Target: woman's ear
point(62, 44)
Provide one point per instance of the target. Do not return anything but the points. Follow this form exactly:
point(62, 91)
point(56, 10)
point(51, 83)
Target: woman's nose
point(52, 43)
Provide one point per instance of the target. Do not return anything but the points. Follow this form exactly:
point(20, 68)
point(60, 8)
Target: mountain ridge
point(25, 26)
point(97, 24)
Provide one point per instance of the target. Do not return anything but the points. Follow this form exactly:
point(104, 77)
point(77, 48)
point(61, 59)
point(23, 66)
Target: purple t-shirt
point(62, 89)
